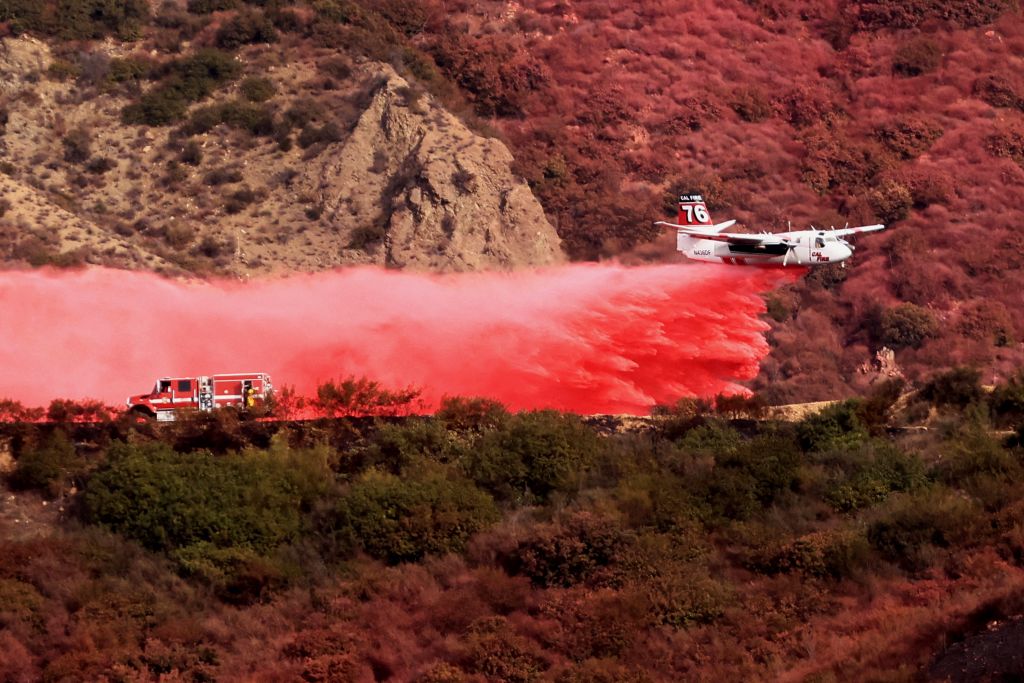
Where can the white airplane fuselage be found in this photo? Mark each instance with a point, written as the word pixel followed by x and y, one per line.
pixel 813 248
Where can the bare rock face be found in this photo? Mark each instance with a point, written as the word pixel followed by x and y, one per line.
pixel 413 187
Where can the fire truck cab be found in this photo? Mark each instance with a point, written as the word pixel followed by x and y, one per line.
pixel 171 395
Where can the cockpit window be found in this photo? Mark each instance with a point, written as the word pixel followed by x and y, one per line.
pixel 819 242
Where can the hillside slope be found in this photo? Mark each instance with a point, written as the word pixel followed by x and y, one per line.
pixel 780 111
pixel 375 172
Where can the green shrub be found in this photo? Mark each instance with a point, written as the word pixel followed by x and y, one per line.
pixel 871 473
pixel 210 6
pixel 191 153
pixel 245 28
pixel 874 411
pixel 973 454
pixel 168 500
pixel 254 119
pixel 77 19
pixel 714 437
pixel 687 596
pixel 956 388
pixel 837 426
pixel 753 477
pixel 395 447
pixel 184 81
pixel 257 89
pixel 579 549
pixel 829 554
pixel 238 575
pixel 532 455
pixel 77 146
pixel 916 525
pixel 907 326
pixel 311 135
pixel 361 396
pixel 128 69
pixel 658 500
pixel 49 466
pixel 428 510
pixel 476 414
pixel 1007 400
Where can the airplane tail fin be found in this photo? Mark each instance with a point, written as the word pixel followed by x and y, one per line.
pixel 693 212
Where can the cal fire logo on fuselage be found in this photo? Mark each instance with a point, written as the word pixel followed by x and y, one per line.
pixel 701 240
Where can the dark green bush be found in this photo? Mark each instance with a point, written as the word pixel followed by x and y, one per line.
pixel 837 426
pixel 245 28
pixel 191 153
pixel 184 81
pixel 1007 400
pixel 77 146
pixel 476 414
pixel 311 135
pixel 580 549
pixel 257 89
pixel 906 325
pixel 957 388
pixel 47 467
pixel 210 6
pixel 238 200
pixel 754 476
pixel 78 19
pixel 830 554
pixel 100 165
pixel 870 474
pixel 428 510
pixel 394 447
pixel 532 455
pixel 714 437
pixel 168 500
pixel 687 595
pixel 917 525
pixel 972 453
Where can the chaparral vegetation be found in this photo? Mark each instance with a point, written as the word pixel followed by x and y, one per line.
pixel 482 545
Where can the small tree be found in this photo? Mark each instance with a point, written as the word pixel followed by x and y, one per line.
pixel 958 387
pixel 907 325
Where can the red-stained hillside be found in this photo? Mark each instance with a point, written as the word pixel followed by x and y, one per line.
pixel 907 113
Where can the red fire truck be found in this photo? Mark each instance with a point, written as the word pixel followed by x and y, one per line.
pixel 171 395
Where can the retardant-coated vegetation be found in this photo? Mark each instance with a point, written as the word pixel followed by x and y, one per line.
pixel 908 113
pixel 481 545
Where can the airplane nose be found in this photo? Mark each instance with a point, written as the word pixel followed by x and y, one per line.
pixel 845 252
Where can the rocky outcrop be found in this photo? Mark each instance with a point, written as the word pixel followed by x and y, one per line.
pixel 398 181
pixel 413 187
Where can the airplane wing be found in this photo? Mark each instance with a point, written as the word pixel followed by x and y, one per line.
pixel 851 231
pixel 743 239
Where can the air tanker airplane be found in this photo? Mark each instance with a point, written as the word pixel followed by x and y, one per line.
pixel 701 240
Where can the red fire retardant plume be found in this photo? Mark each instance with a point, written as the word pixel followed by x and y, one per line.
pixel 585 338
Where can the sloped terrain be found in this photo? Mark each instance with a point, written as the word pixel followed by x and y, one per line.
pixel 376 172
pixel 805 112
